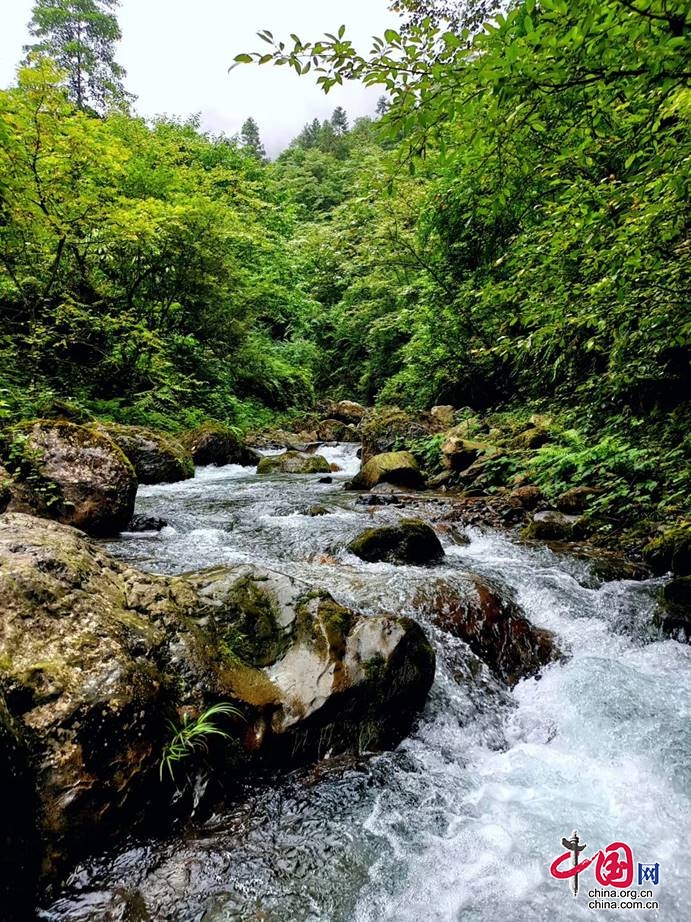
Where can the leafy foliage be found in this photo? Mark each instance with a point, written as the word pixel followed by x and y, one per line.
pixel 193 736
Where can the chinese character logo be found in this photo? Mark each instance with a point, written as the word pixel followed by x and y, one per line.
pixel 614 865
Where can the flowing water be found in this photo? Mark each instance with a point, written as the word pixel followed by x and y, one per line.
pixel 463 821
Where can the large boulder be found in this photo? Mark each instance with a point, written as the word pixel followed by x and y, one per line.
pixel 333 430
pixel 674 618
pixel 670 551
pixel 347 411
pixel 294 462
pixel 156 458
pixel 18 831
pixel 493 626
pixel 459 453
pixel 411 541
pixel 72 474
pixel 396 467
pixel 550 525
pixel 97 658
pixel 385 429
pixel 212 443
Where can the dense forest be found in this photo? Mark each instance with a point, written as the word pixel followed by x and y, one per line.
pixel 510 233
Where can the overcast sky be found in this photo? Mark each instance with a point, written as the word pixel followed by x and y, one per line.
pixel 177 54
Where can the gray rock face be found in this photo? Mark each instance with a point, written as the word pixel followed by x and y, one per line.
pixel 96 658
pixel 347 411
pixel 74 475
pixel 411 541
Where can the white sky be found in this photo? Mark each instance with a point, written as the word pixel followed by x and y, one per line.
pixel 177 54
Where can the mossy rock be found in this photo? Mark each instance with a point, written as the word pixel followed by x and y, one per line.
pixel 294 462
pixel 396 467
pixel 255 633
pixel 550 525
pixel 671 551
pixel 155 457
pixel 388 428
pixel 66 410
pixel 214 444
pixel 411 541
pixel 70 473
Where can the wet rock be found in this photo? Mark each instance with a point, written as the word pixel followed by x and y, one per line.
pixel 551 525
pixel 326 480
pixel 379 499
pixel 347 411
pixel 394 467
pixel 440 481
pixel 333 430
pixel 675 616
pixel 575 500
pixel 96 658
pixel 140 523
pixel 156 458
pixel 72 474
pixel 493 626
pixel 671 551
pixel 411 541
pixel 294 462
pixel 19 865
pixel 527 496
pixel 315 511
pixel 218 445
pixel 386 429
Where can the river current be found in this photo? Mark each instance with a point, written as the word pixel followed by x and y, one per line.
pixel 462 821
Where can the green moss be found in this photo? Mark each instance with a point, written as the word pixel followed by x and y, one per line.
pixel 671 551
pixel 251 629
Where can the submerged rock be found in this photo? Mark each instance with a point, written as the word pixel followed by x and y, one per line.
pixel 395 467
pixel 146 523
pixel 294 462
pixel 411 541
pixel 156 458
pixel 493 626
pixel 72 474
pixel 96 658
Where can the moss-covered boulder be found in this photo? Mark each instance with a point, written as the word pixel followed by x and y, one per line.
pixel 486 617
pixel 575 501
pixel 671 551
pixel 334 430
pixel 395 467
pixel 411 541
pixel 72 474
pixel 155 457
pixel 386 429
pixel 294 462
pixel 97 658
pixel 531 439
pixel 550 525
pixel 215 444
pixel 527 496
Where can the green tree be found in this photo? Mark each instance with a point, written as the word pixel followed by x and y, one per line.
pixel 250 140
pixel 81 36
pixel 339 120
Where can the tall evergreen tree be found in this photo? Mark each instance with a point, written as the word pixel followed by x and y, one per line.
pixel 339 120
pixel 80 36
pixel 250 139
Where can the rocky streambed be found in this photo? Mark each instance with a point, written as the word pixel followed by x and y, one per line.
pixel 555 704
